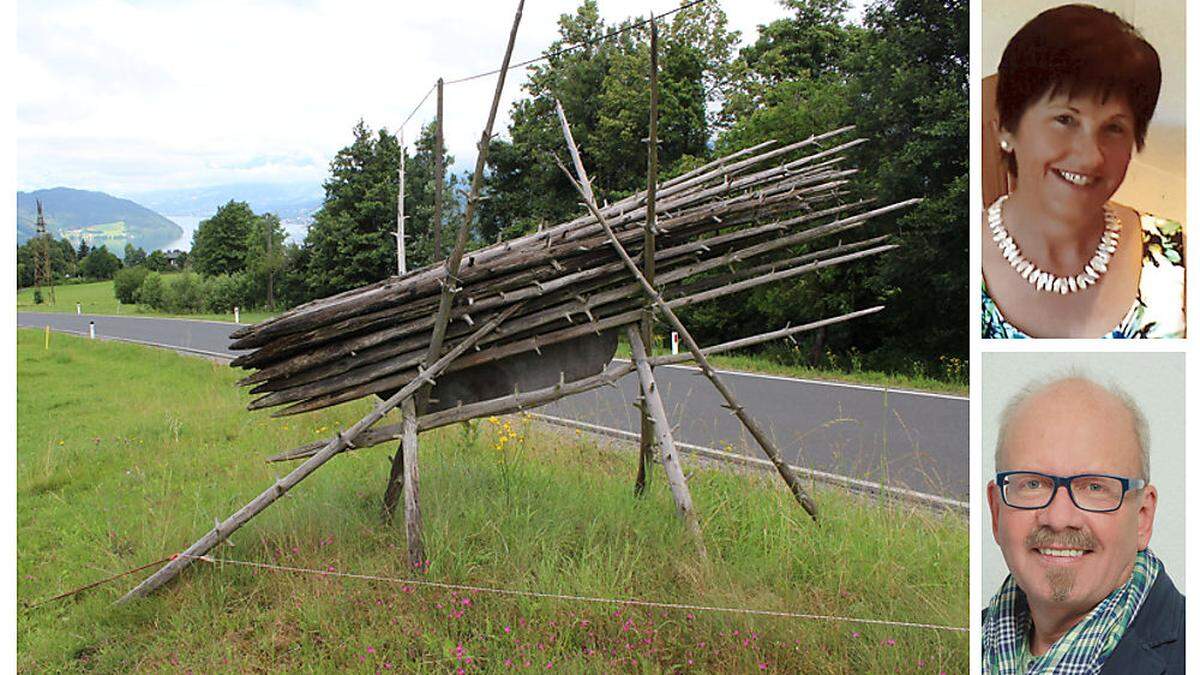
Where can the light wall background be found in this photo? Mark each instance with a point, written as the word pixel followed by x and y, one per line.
pixel 1154 380
pixel 1156 180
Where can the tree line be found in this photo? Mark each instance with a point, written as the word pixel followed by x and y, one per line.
pixel 69 264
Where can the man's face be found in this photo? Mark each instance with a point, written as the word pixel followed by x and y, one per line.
pixel 1071 428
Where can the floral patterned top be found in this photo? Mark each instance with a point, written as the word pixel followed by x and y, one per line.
pixel 1158 310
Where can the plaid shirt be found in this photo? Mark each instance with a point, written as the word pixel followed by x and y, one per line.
pixel 1083 649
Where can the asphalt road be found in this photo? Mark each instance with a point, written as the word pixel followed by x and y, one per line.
pixel 903 439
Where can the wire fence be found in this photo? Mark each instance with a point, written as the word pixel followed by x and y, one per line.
pixel 514 592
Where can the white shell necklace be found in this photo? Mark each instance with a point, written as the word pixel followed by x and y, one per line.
pixel 1045 281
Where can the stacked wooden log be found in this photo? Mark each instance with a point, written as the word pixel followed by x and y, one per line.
pixel 730 225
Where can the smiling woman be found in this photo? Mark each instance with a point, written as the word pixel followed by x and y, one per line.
pixel 1074 95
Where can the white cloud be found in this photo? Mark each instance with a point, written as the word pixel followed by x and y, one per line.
pixel 126 96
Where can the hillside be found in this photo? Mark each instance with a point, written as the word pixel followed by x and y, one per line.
pixel 98 217
pixel 289 201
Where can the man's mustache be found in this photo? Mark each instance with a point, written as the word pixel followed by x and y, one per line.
pixel 1045 537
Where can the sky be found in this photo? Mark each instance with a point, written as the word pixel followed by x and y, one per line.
pixel 127 96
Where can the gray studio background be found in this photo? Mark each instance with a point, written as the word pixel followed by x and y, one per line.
pixel 1154 380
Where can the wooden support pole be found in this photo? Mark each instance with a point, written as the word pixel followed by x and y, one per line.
pixel 401 263
pixel 450 282
pixel 652 401
pixel 396 476
pixel 583 186
pixel 514 402
pixel 412 493
pixel 531 399
pixel 339 443
pixel 670 359
pixel 439 174
pixel 648 251
pixel 395 486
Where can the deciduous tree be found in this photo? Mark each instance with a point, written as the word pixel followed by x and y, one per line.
pixel 219 243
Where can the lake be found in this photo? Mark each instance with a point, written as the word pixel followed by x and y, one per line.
pixel 296 231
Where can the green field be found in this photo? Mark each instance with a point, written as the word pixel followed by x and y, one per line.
pixel 127 454
pixel 98 298
pixel 113 235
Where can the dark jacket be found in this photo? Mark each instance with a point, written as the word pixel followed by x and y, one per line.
pixel 1153 643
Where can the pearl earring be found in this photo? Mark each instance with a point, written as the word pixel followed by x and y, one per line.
pixel 1005 146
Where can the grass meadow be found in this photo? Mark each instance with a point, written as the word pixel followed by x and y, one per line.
pixel 126 454
pixel 97 297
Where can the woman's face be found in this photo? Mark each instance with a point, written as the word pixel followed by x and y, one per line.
pixel 1072 153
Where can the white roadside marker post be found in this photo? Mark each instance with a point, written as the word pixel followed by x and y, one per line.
pixel 92 330
pixel 236 317
pixel 78 310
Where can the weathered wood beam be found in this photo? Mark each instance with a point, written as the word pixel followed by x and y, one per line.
pixel 652 401
pixel 394 290
pixel 514 402
pixel 648 248
pixel 597 324
pixel 531 399
pixel 334 446
pixel 583 186
pixel 684 357
pixel 450 288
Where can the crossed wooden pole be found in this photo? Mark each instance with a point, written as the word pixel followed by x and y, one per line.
pixel 413 396
pixel 417 389
pixel 584 187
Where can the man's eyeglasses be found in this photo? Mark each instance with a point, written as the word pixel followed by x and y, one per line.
pixel 1095 492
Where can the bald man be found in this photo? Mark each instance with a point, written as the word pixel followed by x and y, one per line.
pixel 1072 510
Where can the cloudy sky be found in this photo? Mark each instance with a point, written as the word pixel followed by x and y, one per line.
pixel 126 96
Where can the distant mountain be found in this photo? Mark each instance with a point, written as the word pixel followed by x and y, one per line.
pixel 95 216
pixel 289 201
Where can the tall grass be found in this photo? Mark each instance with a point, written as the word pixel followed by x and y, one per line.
pixel 126 454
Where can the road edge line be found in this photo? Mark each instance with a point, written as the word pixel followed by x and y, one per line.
pixel 853 484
